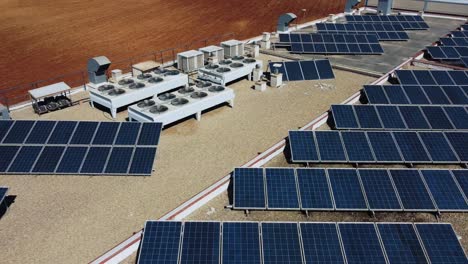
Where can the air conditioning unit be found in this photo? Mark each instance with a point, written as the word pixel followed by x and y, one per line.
pixel 233 48
pixel 213 51
pixel 190 61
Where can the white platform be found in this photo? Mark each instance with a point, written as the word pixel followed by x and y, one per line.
pixel 223 78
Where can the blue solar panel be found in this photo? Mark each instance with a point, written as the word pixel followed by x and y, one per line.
pixel 414 117
pixel 142 162
pixel 324 69
pixel 84 133
pixel 128 133
pixel 367 116
pixel 455 94
pixel 281 243
pixel 62 132
pixel 249 192
pixel 416 94
pixel 437 117
pixel 436 95
pixel 95 160
pixel 7 153
pixel 25 159
pixel 441 243
pixel 40 132
pixel 438 147
pixel 241 243
pixel 314 189
pixel 379 190
pixel 160 244
pixel 459 141
pixel 49 159
pixel 200 243
pixel 412 191
pixel 281 69
pixel 72 160
pixel 330 146
pixel 459 77
pixel 302 146
pixel 442 77
pixel 375 94
pixel 390 117
pixel 458 116
pixel 106 133
pixel 309 70
pixel 3 192
pixel 401 244
pixel 462 178
pixel 395 94
pixel 344 116
pixel 347 190
pixel 361 243
pixel 384 147
pixel 281 189
pixel 321 243
pixel 411 147
pixel 406 77
pixel 119 160
pixel 5 125
pixel 357 147
pixel 19 131
pixel 304 70
pixel 444 190
pixel 294 71
pixel 424 77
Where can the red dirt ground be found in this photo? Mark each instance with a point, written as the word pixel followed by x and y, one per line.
pixel 44 39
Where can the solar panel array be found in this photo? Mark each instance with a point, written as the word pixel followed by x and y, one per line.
pixel 407 22
pixel 69 147
pixel 454 42
pixel 459 34
pixel 447 53
pixel 405 147
pixel 3 193
pixel 283 242
pixel 313 189
pixel 332 43
pixel 304 70
pixel 399 117
pixel 383 31
pixel 416 94
pixel 429 77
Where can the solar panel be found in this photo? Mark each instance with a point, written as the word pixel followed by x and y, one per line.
pixel 461 34
pixel 446 52
pixel 344 116
pixel 379 190
pixel 391 117
pixel 40 132
pixel 411 147
pixel 62 132
pixel 375 94
pixel 321 243
pixel 303 147
pixel 294 71
pixel 425 77
pixel 458 116
pixel 438 147
pixel 357 147
pixel 281 243
pixel 18 132
pixel 119 160
pixel 49 159
pixel 413 194
pixel 416 94
pixel 200 243
pixel 459 77
pixel 5 125
pixel 304 70
pixel 442 77
pixel 324 69
pixel 436 117
pixel 330 146
pixel 456 94
pixel 249 190
pixel 459 141
pixel 441 243
pixel 3 193
pixel 361 243
pixel 84 133
pixel 407 22
pixel 347 190
pixel 7 154
pixel 384 31
pixel 309 70
pixel 142 161
pixel 314 189
pixel 106 132
pixel 281 189
pixel 128 133
pixel 401 243
pixel 241 243
pixel 444 190
pixel 462 178
pixel 367 116
pixel 464 61
pixel 160 243
pixel 395 94
pixel 436 95
pixel 72 160
pixel 414 117
pixel 95 160
pixel 25 159
pixel 384 147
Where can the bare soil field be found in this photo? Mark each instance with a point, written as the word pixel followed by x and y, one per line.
pixel 43 39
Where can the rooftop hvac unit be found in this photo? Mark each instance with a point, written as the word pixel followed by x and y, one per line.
pixel 233 48
pixel 213 51
pixel 190 61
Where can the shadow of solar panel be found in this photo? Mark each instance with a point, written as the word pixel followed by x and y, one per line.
pixel 25 159
pixel 413 193
pixel 48 159
pixel 347 190
pixel 95 160
pixel 414 117
pixel 401 243
pixel 241 243
pixel 441 243
pixel 160 243
pixel 390 117
pixel 330 146
pixel 367 116
pixel 72 160
pixel 415 94
pixel 361 243
pixel 357 147
pixel 444 190
pixel 395 94
pixel 150 133
pixel 5 125
pixel 128 133
pixel 375 94
pixel 143 160
pixel 436 117
pixel 119 160
pixel 438 147
pixel 384 147
pixel 40 132
pixel 281 189
pixel 321 243
pixel 7 154
pixel 314 189
pixel 458 116
pixel 459 141
pixel 344 116
pixel 249 188
pixel 411 147
pixel 18 132
pixel 281 243
pixel 62 132
pixel 200 243
pixel 303 148
pixel 84 133
pixel 106 133
pixel 455 94
pixel 462 178
pixel 379 190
